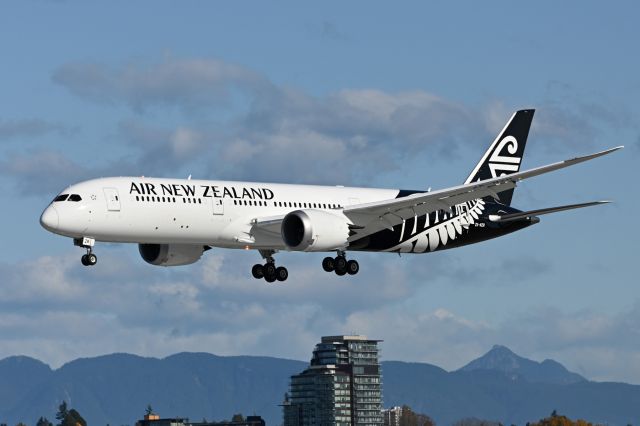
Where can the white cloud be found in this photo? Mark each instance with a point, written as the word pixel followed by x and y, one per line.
pixel 31 128
pixel 590 342
pixel 41 171
pixel 184 83
pixel 271 133
pixel 184 142
pixel 266 131
pixel 211 270
pixel 439 337
pixel 567 118
pixel 57 310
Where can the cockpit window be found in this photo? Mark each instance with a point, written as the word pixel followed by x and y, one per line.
pixel 60 197
pixel 75 197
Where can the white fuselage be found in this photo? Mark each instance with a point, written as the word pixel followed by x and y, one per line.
pixel 180 211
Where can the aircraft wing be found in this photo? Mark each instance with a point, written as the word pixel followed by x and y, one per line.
pixel 539 212
pixel 267 225
pixel 369 218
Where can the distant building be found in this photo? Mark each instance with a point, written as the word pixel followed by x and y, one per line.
pixel 248 421
pixel 155 420
pixel 391 416
pixel 341 387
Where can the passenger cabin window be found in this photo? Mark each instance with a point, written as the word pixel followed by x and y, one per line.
pixel 60 197
pixel 75 197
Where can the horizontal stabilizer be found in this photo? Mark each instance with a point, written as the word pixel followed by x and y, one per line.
pixel 531 213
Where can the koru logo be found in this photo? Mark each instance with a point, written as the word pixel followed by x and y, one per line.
pixel 504 162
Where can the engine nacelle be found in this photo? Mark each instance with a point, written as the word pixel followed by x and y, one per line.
pixel 171 254
pixel 314 230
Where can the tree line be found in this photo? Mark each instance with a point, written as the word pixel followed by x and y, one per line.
pixel 410 418
pixel 64 416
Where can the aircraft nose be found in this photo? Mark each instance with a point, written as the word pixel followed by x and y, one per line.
pixel 49 219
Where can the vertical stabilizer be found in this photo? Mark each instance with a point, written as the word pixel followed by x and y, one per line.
pixel 504 156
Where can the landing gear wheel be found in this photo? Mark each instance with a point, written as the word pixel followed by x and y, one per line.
pixel 281 273
pixel 89 259
pixel 340 265
pixel 328 264
pixel 269 271
pixel 257 271
pixel 352 267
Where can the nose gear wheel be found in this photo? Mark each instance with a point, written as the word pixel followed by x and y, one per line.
pixel 89 259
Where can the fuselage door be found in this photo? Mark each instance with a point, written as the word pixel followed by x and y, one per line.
pixel 113 199
pixel 218 206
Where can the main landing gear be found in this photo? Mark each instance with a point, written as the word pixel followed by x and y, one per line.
pixel 269 271
pixel 340 265
pixel 90 258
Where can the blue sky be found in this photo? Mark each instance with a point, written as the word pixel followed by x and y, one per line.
pixel 366 93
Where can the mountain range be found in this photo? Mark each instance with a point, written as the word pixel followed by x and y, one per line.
pixel 115 389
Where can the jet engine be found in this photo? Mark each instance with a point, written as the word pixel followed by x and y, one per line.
pixel 171 254
pixel 314 230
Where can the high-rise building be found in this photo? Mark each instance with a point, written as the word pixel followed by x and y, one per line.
pixel 342 385
pixel 392 416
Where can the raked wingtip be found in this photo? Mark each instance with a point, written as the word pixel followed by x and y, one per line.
pixel 616 148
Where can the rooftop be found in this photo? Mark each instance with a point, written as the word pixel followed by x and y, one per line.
pixel 344 338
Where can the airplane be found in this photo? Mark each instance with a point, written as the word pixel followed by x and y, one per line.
pixel 174 221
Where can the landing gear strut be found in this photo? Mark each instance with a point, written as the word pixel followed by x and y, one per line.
pixel 269 271
pixel 90 258
pixel 340 265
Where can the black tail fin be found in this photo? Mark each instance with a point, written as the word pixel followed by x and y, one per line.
pixel 505 153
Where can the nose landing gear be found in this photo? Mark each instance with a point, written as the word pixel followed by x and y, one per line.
pixel 90 258
pixel 269 271
pixel 340 265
